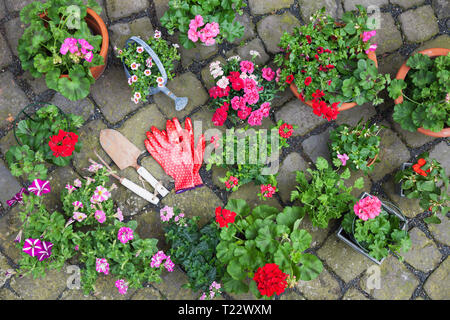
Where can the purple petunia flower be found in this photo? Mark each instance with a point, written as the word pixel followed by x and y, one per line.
pixel 39 187
pixel 46 250
pixel 18 197
pixel 32 246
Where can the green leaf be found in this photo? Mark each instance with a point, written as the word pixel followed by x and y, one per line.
pixel 359 183
pixel 235 270
pixel 311 267
pixel 52 78
pixel 290 215
pixel 235 286
pixel 395 88
pixel 264 211
pixel 239 206
pixel 265 240
pixel 434 219
pixel 419 61
pixel 301 240
pixel 321 163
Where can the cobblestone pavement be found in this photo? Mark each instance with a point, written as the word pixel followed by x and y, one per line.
pixel 406 27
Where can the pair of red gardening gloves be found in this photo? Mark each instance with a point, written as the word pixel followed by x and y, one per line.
pixel 174 150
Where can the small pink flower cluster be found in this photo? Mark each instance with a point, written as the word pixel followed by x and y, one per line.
pixel 158 259
pixel 122 286
pixel 267 191
pixel 125 234
pixel 207 34
pixel 366 36
pixel 167 213
pixel 71 44
pixel 214 289
pixel 367 208
pixel 102 265
pixel 231 182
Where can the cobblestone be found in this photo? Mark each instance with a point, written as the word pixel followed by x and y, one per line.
pixel 419 24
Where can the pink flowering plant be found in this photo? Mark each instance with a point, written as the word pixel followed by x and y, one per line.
pixel 199 21
pixel 356 146
pixel 375 228
pixel 192 247
pixel 243 91
pixel 328 63
pixel 144 73
pixel 53 46
pixel 246 144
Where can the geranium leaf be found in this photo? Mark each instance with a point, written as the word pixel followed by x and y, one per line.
pixel 290 215
pixel 310 267
pixel 239 206
pixel 301 240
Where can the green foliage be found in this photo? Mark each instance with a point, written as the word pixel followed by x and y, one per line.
pixel 181 12
pixel 325 197
pixel 378 235
pixel 166 53
pixel 260 236
pixel 354 77
pixel 426 102
pixel 194 249
pixel 361 143
pixel 431 189
pixel 29 158
pixel 241 153
pixel 39 46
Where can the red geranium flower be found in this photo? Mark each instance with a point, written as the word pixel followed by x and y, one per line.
pixel 224 217
pixel 270 279
pixel 63 144
pixel 289 78
pixel 308 38
pixel 286 130
pixel 318 94
pixel 421 162
pixel 308 81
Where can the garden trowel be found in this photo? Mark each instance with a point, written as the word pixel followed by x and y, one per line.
pixel 125 154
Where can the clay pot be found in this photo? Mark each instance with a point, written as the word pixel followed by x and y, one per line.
pixel 401 74
pixel 98 27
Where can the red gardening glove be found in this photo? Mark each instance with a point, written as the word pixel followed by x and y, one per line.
pixel 172 150
pixel 197 152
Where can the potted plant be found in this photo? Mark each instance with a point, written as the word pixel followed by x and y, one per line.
pixel 142 64
pixel 325 196
pixel 262 249
pixel 68 43
pixel 242 155
pixel 48 136
pixel 243 91
pixel 357 146
pixel 374 227
pixel 427 181
pixel 422 99
pixel 193 249
pixel 199 21
pixel 331 66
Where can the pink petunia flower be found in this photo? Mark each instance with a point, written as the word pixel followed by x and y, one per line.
pixel 79 216
pixel 343 157
pixel 102 194
pixel 100 216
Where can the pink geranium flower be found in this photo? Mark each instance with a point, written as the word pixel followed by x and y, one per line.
pixel 166 213
pixel 102 265
pixel 122 286
pixel 367 208
pixel 372 47
pixel 157 259
pixel 125 234
pixel 343 157
pixel 368 34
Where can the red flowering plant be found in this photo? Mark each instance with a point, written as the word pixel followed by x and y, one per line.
pixel 47 136
pixel 328 62
pixel 243 91
pixel 262 249
pixel 427 181
pixel 241 153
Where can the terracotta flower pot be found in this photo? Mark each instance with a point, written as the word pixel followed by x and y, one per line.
pixel 98 27
pixel 344 106
pixel 401 74
pixel 372 161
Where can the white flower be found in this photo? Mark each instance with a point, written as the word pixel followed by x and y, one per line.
pixel 176 46
pixel 243 75
pixel 234 57
pixel 134 78
pixel 160 84
pixel 136 100
pixel 157 34
pixel 214 65
pixel 254 53
pixel 252 76
pixel 223 82
pixel 147 72
pixel 130 81
pixel 140 49
pixel 160 80
pixel 217 72
pixel 134 66
pixel 137 95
